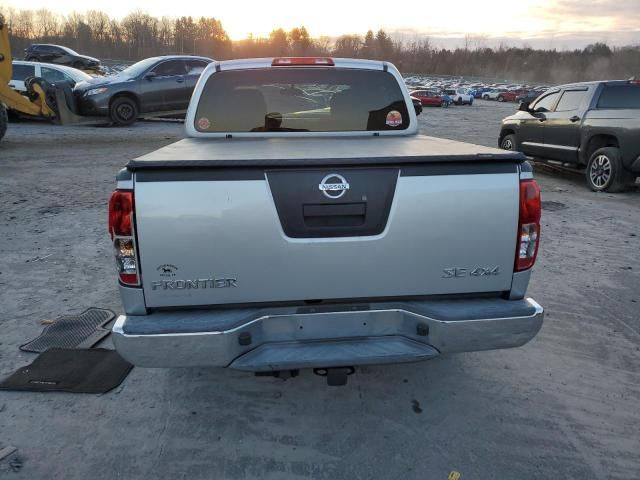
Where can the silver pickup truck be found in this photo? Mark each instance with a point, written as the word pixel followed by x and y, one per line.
pixel 305 224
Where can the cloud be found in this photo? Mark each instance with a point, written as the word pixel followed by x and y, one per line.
pixel 610 14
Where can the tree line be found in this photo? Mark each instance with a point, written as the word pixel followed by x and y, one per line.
pixel 140 35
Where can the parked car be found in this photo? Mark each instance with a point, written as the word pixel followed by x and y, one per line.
pixel 431 98
pixel 44 52
pixel 593 125
pixel 508 96
pixel 255 243
pixel 530 96
pixel 51 73
pixel 447 99
pixel 417 105
pixel 154 85
pixel 478 91
pixel 460 96
pixel 493 93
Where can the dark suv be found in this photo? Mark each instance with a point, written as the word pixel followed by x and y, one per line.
pixel 157 85
pixel 592 125
pixel 43 52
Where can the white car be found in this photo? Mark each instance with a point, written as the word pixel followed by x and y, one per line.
pixel 493 94
pixel 51 73
pixel 460 96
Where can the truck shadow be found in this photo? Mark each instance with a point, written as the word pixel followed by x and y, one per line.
pixel 302 425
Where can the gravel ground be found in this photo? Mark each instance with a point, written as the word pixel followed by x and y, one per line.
pixel 563 406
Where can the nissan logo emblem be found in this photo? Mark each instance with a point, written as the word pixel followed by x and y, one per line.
pixel 333 186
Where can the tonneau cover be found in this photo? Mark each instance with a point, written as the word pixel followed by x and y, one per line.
pixel 318 151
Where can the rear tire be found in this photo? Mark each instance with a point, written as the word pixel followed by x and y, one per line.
pixel 4 120
pixel 605 171
pixel 459 102
pixel 444 104
pixel 500 98
pixel 123 111
pixel 509 143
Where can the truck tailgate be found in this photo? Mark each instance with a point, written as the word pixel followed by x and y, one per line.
pixel 395 222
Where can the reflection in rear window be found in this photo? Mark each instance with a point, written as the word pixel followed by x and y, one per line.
pixel 620 96
pixel 298 99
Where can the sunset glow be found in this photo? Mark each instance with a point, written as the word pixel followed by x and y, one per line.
pixel 525 19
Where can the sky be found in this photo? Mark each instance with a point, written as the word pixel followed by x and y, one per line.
pixel 539 23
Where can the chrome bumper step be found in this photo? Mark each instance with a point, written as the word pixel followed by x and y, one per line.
pixel 333 353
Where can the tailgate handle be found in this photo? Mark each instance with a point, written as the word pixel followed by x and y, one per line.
pixel 334 214
pixel 334 209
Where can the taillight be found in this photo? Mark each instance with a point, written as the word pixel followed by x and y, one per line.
pixel 295 61
pixel 528 225
pixel 121 210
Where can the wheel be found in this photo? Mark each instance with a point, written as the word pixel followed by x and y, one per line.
pixel 444 104
pixel 78 64
pixel 509 142
pixel 459 102
pixel 605 171
pixel 123 111
pixel 4 120
pixel 500 98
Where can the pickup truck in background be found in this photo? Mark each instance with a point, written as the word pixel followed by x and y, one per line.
pixel 591 125
pixel 304 223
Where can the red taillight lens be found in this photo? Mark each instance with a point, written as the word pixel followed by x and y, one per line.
pixel 121 231
pixel 120 213
pixel 295 61
pixel 528 225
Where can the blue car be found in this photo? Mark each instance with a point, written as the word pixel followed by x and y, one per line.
pixel 477 92
pixel 446 98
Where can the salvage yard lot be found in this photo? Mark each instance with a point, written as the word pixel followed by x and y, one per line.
pixel 563 406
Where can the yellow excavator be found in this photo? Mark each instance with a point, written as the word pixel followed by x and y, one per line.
pixel 34 105
pixel 42 99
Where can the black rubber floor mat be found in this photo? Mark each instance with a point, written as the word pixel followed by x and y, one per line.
pixel 95 370
pixel 73 331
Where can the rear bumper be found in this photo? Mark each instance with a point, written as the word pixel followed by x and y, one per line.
pixel 339 335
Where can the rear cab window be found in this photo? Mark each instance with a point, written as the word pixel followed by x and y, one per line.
pixel 620 96
pixel 301 99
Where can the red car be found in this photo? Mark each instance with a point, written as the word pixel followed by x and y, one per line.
pixel 430 98
pixel 510 95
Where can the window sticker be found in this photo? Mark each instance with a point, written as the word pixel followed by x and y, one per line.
pixel 203 123
pixel 394 118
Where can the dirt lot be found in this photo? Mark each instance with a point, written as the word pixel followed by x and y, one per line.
pixel 564 406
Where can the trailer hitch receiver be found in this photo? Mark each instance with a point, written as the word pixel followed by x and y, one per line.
pixel 336 376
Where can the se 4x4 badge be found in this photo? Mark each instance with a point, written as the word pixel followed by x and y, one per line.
pixel 457 272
